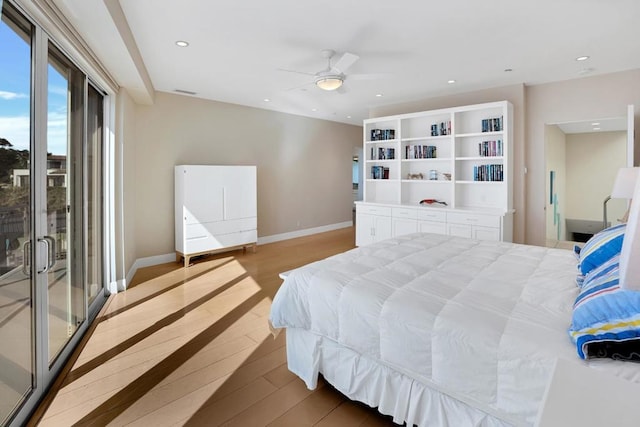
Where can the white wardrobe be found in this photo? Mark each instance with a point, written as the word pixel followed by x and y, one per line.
pixel 215 209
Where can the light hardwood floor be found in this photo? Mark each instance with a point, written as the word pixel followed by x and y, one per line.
pixel 192 347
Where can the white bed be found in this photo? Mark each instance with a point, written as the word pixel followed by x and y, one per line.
pixel 435 330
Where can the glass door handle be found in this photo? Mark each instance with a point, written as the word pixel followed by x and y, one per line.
pixel 26 255
pixel 52 250
pixel 48 246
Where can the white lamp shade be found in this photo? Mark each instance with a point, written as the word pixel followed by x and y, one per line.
pixel 625 183
pixel 630 254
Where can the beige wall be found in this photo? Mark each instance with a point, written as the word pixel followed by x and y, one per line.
pixel 569 101
pixel 556 147
pixel 514 94
pixel 593 161
pixel 304 165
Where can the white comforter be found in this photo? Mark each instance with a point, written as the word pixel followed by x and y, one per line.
pixel 482 322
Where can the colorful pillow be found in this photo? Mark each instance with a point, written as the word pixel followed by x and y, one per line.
pixel 606 318
pixel 601 247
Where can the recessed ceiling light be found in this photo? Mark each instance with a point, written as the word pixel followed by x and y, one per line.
pixel 182 43
pixel 595 124
pixel 348 117
pixel 314 109
pixel 379 95
pixel 451 81
pixel 266 100
pixel 582 58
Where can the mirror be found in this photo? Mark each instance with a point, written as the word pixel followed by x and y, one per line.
pixel 582 161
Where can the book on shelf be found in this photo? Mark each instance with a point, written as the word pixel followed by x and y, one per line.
pixel 492 125
pixel 420 152
pixel 386 153
pixel 493 172
pixel 382 134
pixel 490 148
pixel 379 172
pixel 441 129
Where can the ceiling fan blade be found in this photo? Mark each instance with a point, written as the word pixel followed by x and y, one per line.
pixel 299 87
pixel 294 71
pixel 369 76
pixel 346 61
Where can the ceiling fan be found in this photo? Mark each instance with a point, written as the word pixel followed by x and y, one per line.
pixel 332 77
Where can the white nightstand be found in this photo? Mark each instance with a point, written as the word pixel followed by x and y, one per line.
pixel 581 396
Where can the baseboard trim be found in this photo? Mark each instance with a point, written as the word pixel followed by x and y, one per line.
pixel 163 259
pixel 148 262
pixel 301 233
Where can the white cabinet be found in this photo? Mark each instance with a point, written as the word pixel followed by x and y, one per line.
pixel 403 221
pixel 373 223
pixel 215 209
pixel 377 221
pixel 460 156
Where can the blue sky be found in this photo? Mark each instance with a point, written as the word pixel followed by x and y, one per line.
pixel 15 78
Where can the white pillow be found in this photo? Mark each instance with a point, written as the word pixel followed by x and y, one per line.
pixel 630 254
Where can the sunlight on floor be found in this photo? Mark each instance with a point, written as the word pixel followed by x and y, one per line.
pixel 165 347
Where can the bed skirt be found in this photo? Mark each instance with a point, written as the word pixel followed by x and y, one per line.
pixel 379 386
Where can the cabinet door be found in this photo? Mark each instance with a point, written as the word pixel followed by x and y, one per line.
pixel 432 227
pixel 239 194
pixel 382 228
pixel 403 226
pixel 365 225
pixel 203 195
pixel 486 233
pixel 460 230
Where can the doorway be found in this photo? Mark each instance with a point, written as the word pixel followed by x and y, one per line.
pixel 582 160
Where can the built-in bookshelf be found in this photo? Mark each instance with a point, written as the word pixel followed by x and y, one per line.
pixel 458 156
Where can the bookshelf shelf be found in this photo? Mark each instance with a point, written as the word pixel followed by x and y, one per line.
pixel 444 143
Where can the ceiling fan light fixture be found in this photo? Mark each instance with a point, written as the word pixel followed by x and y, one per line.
pixel 329 82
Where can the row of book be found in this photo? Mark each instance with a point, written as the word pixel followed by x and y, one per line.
pixel 492 125
pixel 488 173
pixel 490 148
pixel 442 128
pixel 383 153
pixel 379 172
pixel 382 134
pixel 420 152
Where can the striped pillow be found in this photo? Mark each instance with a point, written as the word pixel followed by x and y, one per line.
pixel 602 246
pixel 606 318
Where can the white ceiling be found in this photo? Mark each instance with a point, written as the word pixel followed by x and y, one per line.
pixel 238 46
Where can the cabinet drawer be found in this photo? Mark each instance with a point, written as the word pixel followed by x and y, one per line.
pixel 196 231
pixel 431 215
pixel 432 227
pixel 404 213
pixel 473 219
pixel 460 230
pixel 486 233
pixel 209 243
pixel 374 210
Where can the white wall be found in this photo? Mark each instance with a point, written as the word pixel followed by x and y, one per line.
pixel 555 147
pixel 304 165
pixel 593 161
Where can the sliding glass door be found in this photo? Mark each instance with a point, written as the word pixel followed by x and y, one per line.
pixel 17 333
pixel 51 211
